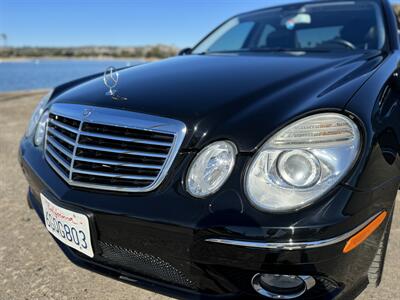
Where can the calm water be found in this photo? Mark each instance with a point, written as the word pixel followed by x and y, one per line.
pixel 40 74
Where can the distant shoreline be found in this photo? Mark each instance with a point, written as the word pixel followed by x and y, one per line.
pixel 14 95
pixel 27 73
pixel 94 58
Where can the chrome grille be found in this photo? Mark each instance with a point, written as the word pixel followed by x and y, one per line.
pixel 111 149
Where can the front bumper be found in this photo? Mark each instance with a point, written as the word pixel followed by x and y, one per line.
pixel 159 241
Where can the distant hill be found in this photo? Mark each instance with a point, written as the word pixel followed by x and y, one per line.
pixel 149 52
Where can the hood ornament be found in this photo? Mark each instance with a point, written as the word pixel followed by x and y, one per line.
pixel 110 79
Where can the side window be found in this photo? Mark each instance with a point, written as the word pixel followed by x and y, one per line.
pixel 233 39
pixel 310 38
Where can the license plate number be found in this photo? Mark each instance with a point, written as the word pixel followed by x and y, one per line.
pixel 69 227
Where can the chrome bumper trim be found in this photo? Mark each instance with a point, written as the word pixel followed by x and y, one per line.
pixel 293 245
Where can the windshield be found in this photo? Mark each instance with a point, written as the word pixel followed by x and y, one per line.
pixel 323 26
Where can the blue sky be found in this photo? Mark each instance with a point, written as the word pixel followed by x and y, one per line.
pixel 116 22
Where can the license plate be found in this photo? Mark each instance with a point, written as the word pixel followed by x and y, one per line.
pixel 69 227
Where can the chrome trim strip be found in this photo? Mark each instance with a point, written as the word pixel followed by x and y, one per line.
pixel 294 245
pixel 59 159
pixel 55 168
pixel 64 126
pixel 116 163
pixel 117 118
pixel 124 139
pixel 113 175
pixel 56 145
pixel 113 150
pixel 61 136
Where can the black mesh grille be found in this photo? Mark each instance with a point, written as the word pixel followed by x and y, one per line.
pixel 144 264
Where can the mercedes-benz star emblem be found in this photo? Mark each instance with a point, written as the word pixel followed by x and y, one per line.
pixel 87 113
pixel 110 79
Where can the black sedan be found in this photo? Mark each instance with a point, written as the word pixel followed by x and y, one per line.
pixel 263 162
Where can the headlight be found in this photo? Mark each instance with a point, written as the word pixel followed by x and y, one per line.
pixel 211 168
pixel 302 162
pixel 41 129
pixel 37 113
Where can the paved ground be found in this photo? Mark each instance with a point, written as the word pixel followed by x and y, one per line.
pixel 32 266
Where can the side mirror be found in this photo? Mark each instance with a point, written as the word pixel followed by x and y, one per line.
pixel 185 51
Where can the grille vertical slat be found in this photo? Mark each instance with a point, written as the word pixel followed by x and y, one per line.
pixel 92 153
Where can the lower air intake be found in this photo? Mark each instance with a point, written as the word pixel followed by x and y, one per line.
pixel 144 264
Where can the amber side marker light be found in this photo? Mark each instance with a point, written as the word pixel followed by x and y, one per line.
pixel 360 237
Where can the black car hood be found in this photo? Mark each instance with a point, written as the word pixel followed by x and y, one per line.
pixel 239 97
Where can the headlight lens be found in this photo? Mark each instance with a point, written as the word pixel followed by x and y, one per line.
pixel 211 168
pixel 37 113
pixel 41 129
pixel 299 168
pixel 302 162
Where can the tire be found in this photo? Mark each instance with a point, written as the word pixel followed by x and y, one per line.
pixel 376 269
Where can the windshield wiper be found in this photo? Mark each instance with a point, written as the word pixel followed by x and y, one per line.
pixel 289 50
pixel 269 50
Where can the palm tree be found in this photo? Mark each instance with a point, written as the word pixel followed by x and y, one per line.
pixel 3 36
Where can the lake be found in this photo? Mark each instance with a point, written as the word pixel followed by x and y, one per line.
pixel 39 74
